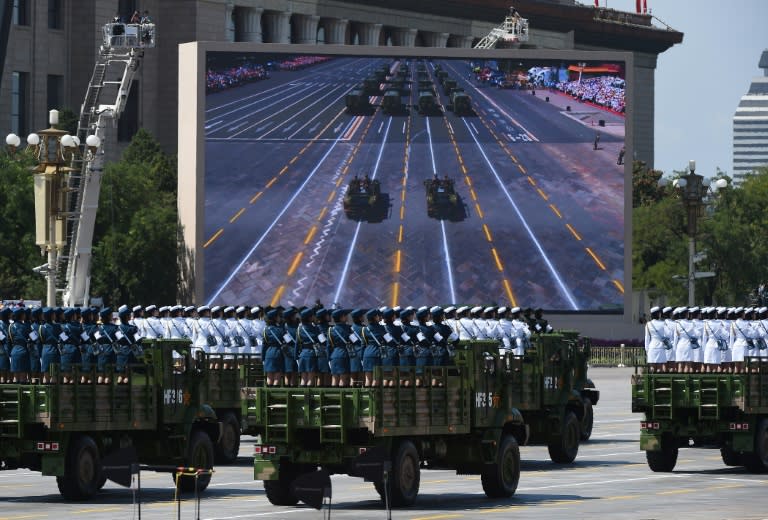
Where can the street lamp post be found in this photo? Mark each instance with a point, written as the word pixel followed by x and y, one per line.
pixel 693 189
pixel 53 149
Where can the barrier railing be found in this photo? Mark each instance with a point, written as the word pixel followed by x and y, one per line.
pixel 616 356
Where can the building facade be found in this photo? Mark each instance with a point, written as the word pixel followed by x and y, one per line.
pixel 750 126
pixel 53 46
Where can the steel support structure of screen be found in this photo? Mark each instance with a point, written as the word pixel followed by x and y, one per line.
pixel 368 176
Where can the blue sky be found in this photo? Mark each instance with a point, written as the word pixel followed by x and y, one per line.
pixel 699 82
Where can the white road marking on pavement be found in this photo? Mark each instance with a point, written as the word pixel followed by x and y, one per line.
pixel 274 222
pixel 598 483
pixel 559 281
pixel 343 276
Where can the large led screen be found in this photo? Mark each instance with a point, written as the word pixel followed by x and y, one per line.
pixel 392 180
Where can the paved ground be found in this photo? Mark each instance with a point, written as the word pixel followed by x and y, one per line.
pixel 538 221
pixel 609 479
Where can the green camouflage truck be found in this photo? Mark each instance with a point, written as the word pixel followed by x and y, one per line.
pixel 459 102
pixel 66 430
pixel 719 410
pixel 485 405
pixel 222 390
pixel 357 102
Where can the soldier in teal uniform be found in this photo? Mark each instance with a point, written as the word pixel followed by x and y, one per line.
pixel 89 348
pixel 273 351
pixel 49 338
pixel 323 361
pixel 5 344
pixel 358 344
pixel 35 350
pixel 407 352
pixel 423 347
pixel 71 340
pixel 341 348
pixel 128 350
pixel 306 345
pixel 373 337
pixel 20 339
pixel 390 352
pixel 291 317
pixel 105 336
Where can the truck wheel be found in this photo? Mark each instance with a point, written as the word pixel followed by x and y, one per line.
pixel 757 461
pixel 405 475
pixel 730 457
pixel 279 491
pixel 588 420
pixel 200 455
pixel 564 448
pixel 229 445
pixel 664 460
pixel 500 478
pixel 82 470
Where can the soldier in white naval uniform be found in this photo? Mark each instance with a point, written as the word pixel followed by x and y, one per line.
pixel 657 342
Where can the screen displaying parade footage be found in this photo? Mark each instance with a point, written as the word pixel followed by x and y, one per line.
pixel 391 180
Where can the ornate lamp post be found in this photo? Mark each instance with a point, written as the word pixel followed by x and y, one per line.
pixel 53 149
pixel 693 189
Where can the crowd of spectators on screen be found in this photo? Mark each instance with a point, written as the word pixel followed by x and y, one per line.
pixel 606 91
pixel 216 80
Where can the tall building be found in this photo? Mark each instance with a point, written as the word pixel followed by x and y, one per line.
pixel 750 126
pixel 53 45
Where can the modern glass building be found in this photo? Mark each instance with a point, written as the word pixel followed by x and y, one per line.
pixel 750 126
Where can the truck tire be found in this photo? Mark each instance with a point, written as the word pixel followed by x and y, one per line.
pixel 664 460
pixel 588 420
pixel 406 476
pixel 279 491
pixel 757 461
pixel 500 478
pixel 564 448
pixel 82 470
pixel 730 457
pixel 200 455
pixel 228 446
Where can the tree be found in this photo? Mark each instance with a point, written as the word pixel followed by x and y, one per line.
pixel 134 256
pixel 645 185
pixel 17 233
pixel 735 238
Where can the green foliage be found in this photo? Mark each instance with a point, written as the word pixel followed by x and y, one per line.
pixel 68 120
pixel 134 258
pixel 659 249
pixel 731 234
pixel 17 233
pixel 645 185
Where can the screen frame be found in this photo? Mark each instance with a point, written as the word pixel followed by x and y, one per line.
pixel 191 139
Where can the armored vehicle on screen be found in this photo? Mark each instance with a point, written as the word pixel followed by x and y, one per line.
pixel 724 411
pixel 442 200
pixel 363 200
pixel 482 408
pixel 460 103
pixel 357 102
pixel 448 86
pixel 427 104
pixel 392 103
pixel 67 430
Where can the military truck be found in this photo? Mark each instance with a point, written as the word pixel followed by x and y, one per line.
pixel 222 390
pixel 427 103
pixel 724 411
pixel 363 200
pixel 448 86
pixel 392 102
pixel 442 200
pixel 473 420
pixel 357 102
pixel 459 102
pixel 66 430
